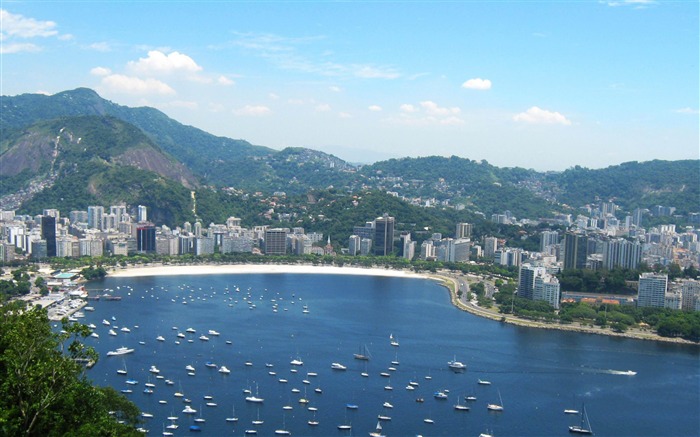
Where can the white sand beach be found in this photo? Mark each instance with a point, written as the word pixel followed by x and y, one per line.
pixel 133 271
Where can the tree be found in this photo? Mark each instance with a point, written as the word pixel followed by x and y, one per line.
pixel 43 390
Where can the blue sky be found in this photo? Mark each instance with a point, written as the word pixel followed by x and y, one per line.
pixel 538 84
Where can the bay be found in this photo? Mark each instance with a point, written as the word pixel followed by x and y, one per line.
pixel 537 373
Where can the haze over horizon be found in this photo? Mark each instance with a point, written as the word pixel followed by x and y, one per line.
pixel 544 85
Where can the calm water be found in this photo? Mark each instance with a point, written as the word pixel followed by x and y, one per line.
pixel 538 373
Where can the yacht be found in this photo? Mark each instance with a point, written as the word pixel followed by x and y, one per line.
pixel 160 338
pixel 213 332
pixel 296 362
pixel 224 369
pixel 203 337
pixel 120 351
pixel 338 366
pixel 457 366
pixel 189 410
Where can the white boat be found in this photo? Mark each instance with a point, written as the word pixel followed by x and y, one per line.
pixel 377 430
pixel 296 362
pixel 160 338
pixel 387 405
pixel 255 399
pixel 224 369
pixel 213 332
pixel 189 410
pixel 154 369
pixel 484 382
pixel 440 395
pixel 125 329
pixel 393 341
pixel 95 335
pixel 180 335
pixel 455 365
pixel 106 322
pixel 571 411
pixel 112 332
pixel 623 372
pixel 203 337
pixel 189 368
pixel 585 426
pixel 120 351
pixel 190 330
pixel 338 366
pixel 496 407
pixel 362 354
pixel 233 417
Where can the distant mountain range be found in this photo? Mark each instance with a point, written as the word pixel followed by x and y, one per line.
pixel 83 149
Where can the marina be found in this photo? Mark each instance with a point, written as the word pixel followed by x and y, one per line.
pixel 538 373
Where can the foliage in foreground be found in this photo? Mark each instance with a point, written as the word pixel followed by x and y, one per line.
pixel 43 390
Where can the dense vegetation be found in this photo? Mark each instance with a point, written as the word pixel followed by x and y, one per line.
pixel 218 162
pixel 619 318
pixel 43 390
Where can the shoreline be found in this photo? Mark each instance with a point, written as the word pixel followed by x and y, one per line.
pixel 488 313
pixel 447 280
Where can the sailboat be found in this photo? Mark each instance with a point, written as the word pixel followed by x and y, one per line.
pixel 585 426
pixel 362 354
pixel 496 407
pixel 283 430
pixel 255 399
pixel 393 341
pixel 571 410
pixel 233 417
pixel 122 371
pixel 377 431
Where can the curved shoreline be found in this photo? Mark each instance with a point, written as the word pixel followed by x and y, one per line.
pixel 447 280
pixel 518 321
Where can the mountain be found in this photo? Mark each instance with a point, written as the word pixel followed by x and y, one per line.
pixel 124 141
pixel 198 150
pixel 79 161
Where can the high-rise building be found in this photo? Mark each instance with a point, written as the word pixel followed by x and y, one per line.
pixel 48 233
pixel 95 214
pixel 142 214
pixel 575 251
pixel 690 290
pixel 652 290
pixel 621 253
pixel 526 280
pixel 276 241
pixel 547 289
pixel 490 247
pixel 464 230
pixel 408 246
pixel 548 238
pixel 146 238
pixel 354 245
pixel 384 235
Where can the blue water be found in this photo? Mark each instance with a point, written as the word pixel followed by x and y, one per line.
pixel 538 373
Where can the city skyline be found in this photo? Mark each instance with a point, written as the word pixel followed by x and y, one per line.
pixel 538 85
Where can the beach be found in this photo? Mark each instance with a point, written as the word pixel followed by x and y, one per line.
pixel 232 269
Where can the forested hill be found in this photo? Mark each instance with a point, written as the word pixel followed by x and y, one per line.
pixel 193 147
pixel 632 184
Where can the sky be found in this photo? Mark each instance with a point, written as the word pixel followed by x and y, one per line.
pixel 545 85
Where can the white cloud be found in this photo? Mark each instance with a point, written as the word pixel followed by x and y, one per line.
pixel 16 28
pixel 100 47
pixel 687 110
pixel 370 72
pixel 223 80
pixel 100 71
pixel 335 89
pixel 637 4
pixel 18 47
pixel 536 115
pixel 374 108
pixel 253 110
pixel 134 85
pixel 477 84
pixel 322 107
pixel 408 108
pixel 158 62
pixel 432 108
pixel 15 25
